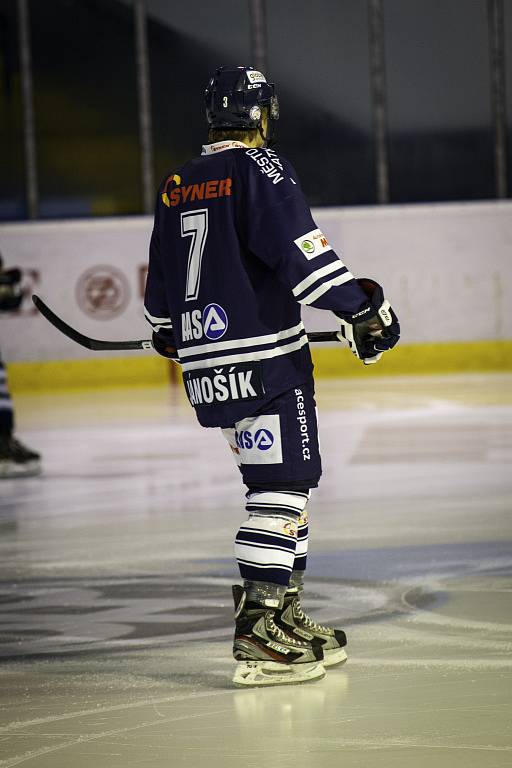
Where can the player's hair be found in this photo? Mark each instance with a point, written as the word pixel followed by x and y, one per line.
pixel 219 134
pixel 232 134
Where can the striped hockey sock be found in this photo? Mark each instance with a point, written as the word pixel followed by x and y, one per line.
pixel 265 545
pixel 301 551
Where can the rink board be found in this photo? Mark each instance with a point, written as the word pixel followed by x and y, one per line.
pixel 446 268
pixel 330 362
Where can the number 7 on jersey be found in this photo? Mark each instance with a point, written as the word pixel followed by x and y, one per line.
pixel 194 224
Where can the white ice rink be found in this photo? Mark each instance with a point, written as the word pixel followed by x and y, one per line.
pixel 116 566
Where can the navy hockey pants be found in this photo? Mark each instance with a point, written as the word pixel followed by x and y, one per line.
pixel 277 448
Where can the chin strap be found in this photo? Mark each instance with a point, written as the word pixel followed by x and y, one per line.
pixel 268 141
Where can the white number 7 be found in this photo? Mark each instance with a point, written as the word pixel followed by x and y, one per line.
pixel 194 224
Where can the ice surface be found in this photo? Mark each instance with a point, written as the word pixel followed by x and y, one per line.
pixel 116 565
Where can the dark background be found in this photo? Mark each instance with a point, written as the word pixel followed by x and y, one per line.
pixel 440 134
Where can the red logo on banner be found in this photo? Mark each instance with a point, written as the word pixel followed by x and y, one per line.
pixel 103 292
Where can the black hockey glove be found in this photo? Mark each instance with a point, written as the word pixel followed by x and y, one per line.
pixel 374 328
pixel 11 294
pixel 165 344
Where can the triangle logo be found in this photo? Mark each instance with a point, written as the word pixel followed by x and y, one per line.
pixel 264 439
pixel 213 321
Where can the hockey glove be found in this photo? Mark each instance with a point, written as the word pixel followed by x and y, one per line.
pixel 374 328
pixel 165 344
pixel 11 294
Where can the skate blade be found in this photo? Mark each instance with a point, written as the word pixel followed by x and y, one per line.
pixel 252 673
pixel 334 656
pixel 10 469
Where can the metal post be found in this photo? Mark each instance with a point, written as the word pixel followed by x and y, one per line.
pixel 258 34
pixel 29 134
pixel 144 94
pixel 498 105
pixel 379 96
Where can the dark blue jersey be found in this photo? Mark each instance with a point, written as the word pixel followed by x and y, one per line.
pixel 234 253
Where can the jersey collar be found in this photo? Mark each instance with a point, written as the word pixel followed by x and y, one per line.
pixel 221 146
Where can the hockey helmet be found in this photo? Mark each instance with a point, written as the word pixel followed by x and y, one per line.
pixel 235 97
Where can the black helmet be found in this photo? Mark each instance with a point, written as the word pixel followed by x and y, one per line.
pixel 235 97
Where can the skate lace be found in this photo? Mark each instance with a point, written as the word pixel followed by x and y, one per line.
pixel 278 633
pixel 307 620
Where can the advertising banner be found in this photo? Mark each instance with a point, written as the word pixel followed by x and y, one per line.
pixel 447 270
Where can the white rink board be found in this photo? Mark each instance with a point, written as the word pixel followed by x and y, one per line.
pixel 60 253
pixel 447 269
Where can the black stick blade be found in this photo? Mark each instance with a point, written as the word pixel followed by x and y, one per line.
pixel 80 338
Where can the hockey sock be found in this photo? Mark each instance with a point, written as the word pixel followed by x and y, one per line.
pixel 6 409
pixel 301 551
pixel 265 544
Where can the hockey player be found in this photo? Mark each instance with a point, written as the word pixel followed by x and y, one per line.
pixel 234 253
pixel 16 460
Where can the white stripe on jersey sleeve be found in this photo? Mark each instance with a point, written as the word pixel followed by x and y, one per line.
pixel 314 295
pixel 316 275
pixel 158 322
pixel 154 319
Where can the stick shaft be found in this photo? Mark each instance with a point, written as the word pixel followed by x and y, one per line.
pixel 99 345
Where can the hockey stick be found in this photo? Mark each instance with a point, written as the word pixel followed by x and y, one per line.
pixel 85 341
pixel 98 345
pixel 323 336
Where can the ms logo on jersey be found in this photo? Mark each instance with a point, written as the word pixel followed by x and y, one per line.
pixel 212 322
pixel 258 440
pixel 263 439
pixel 215 321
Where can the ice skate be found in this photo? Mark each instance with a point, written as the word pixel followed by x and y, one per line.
pixel 16 460
pixel 266 654
pixel 292 619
